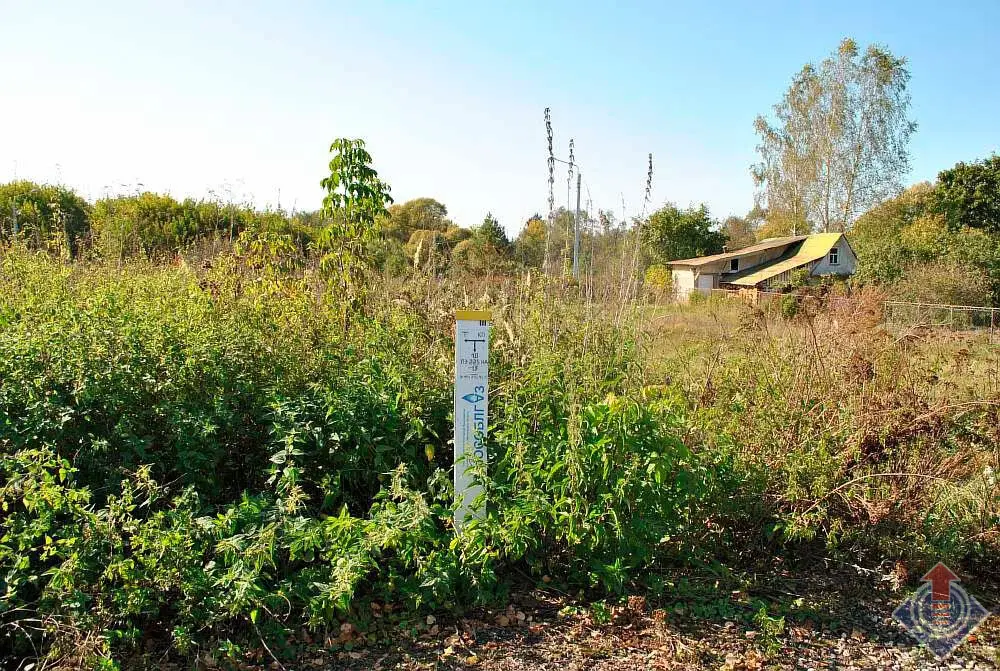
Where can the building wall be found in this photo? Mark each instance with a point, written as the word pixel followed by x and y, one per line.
pixel 683 282
pixel 746 262
pixel 687 280
pixel 707 282
pixel 847 261
pixel 776 282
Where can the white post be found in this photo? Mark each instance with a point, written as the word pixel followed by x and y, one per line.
pixel 472 346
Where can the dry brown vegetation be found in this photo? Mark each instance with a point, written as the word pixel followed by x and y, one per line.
pixel 858 426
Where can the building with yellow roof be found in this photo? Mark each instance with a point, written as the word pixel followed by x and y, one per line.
pixel 767 265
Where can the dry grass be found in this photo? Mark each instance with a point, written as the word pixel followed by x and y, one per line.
pixel 851 426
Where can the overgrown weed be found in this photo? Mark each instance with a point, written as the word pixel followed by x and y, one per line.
pixel 196 454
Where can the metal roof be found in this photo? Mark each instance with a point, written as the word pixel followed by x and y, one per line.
pixel 761 246
pixel 813 248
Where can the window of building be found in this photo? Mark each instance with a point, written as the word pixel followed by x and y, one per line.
pixel 734 265
pixel 834 256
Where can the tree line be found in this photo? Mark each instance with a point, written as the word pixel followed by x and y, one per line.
pixel 934 242
pixel 832 157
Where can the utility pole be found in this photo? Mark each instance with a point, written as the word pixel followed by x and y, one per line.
pixel 576 231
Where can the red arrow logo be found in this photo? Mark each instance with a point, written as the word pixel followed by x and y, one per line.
pixel 940 578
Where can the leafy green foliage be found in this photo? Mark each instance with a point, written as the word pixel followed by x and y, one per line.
pixel 355 202
pixel 739 231
pixel 908 243
pixel 969 195
pixel 492 234
pixel 658 281
pixel 37 212
pixel 671 233
pixel 945 282
pixel 608 486
pixel 415 236
pixel 431 236
pixel 163 461
pixel 214 456
pixel 529 246
pixel 771 629
pixel 156 225
pixel 419 214
pixel 487 251
pixel 789 306
pixel 876 236
pixel 838 142
pixel 245 448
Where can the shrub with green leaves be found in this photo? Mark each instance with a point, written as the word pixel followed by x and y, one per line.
pixel 39 213
pixel 156 225
pixel 202 454
pixel 789 306
pixel 202 457
pixel 233 396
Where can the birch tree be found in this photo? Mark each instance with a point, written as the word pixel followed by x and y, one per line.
pixel 837 142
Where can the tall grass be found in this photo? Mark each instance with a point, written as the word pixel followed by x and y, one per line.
pixel 878 441
pixel 196 456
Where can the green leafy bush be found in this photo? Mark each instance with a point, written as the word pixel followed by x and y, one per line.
pixel 215 452
pixel 156 225
pixel 935 226
pixel 658 282
pixel 38 212
pixel 211 456
pixel 789 306
pixel 155 377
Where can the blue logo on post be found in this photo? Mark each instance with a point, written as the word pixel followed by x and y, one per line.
pixel 472 398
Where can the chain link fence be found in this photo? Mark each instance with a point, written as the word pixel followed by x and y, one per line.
pixel 940 315
pixel 896 313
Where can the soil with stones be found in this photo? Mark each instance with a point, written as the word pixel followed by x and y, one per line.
pixel 837 617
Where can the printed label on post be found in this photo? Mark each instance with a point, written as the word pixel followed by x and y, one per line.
pixel 472 366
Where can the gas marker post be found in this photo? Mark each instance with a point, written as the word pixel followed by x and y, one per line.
pixel 472 384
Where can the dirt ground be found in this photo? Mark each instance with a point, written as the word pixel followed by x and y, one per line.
pixel 833 619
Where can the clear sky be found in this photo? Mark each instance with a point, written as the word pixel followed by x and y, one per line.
pixel 243 98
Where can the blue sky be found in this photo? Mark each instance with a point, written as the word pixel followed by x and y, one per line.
pixel 241 99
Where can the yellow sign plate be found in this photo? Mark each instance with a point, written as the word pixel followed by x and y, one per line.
pixel 473 315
